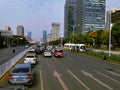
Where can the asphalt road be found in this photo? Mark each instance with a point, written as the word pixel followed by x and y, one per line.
pixel 7 54
pixel 74 72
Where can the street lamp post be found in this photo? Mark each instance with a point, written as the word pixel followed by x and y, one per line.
pixel 73 26
pixel 109 29
pixel 109 32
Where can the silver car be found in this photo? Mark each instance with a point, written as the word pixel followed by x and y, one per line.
pixel 21 74
pixel 47 53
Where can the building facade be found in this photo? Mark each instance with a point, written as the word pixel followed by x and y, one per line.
pixel 6 38
pixel 90 15
pixel 7 28
pixel 112 16
pixel 115 16
pixel 20 30
pixel 55 31
pixel 29 36
pixel 44 36
pixel 87 15
pixel 49 37
pixel 69 16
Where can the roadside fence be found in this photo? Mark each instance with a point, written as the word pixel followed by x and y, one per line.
pixel 7 65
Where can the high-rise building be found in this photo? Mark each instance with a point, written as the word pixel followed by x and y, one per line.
pixel 7 28
pixel 69 17
pixel 44 36
pixel 55 31
pixel 90 15
pixel 49 37
pixel 29 36
pixel 87 15
pixel 20 30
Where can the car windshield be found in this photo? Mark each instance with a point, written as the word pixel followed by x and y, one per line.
pixel 19 70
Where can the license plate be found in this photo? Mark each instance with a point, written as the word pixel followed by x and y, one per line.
pixel 19 79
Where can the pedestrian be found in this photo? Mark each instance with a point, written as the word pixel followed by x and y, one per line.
pixel 104 56
pixel 13 50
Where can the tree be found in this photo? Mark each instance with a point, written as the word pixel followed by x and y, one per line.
pixel 104 37
pixel 115 33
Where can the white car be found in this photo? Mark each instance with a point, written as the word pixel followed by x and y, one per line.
pixel 47 53
pixel 30 58
pixel 32 51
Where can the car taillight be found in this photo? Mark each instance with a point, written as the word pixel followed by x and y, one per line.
pixel 9 76
pixel 30 75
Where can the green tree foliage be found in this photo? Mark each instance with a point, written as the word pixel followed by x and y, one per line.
pixel 115 33
pixel 105 37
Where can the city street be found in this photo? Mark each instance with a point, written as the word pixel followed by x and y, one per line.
pixel 74 72
pixel 7 54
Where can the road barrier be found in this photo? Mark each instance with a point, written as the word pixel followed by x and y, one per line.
pixel 7 65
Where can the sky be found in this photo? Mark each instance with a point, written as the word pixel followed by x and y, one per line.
pixel 36 15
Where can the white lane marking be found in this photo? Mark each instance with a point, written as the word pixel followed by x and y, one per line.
pixel 3 58
pixel 41 80
pixel 113 73
pixel 79 80
pixel 91 76
pixel 107 76
pixel 56 74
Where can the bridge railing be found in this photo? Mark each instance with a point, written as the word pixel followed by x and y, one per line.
pixel 7 65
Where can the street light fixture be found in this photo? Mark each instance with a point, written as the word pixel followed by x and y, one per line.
pixel 109 12
pixel 74 26
pixel 109 29
pixel 109 33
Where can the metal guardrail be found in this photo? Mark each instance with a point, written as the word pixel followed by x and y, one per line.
pixel 7 65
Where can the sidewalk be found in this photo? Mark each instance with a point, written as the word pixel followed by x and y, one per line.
pixel 112 52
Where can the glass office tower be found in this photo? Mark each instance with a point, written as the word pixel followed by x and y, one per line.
pixel 90 15
pixel 69 17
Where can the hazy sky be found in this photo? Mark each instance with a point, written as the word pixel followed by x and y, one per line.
pixel 35 15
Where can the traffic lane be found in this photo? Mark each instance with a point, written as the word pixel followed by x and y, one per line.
pixel 94 64
pixel 44 77
pixel 9 50
pixel 64 76
pixel 36 75
pixel 90 62
pixel 87 67
pixel 71 76
pixel 57 73
pixel 7 54
pixel 55 77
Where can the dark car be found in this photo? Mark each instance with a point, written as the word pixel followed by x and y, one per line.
pixel 58 53
pixel 21 74
pixel 39 50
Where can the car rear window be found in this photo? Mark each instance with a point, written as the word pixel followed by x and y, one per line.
pixel 20 70
pixel 29 56
pixel 58 50
pixel 31 51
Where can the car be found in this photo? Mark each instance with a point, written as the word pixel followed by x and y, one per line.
pixel 47 53
pixel 26 46
pixel 39 50
pixel 30 58
pixel 32 51
pixel 21 74
pixel 58 53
